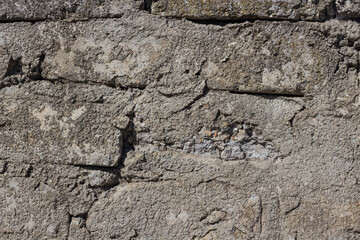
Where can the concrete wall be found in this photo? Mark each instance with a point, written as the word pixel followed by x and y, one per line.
pixel 179 119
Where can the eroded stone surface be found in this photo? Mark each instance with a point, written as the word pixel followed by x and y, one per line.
pixel 276 58
pixel 63 129
pixel 348 8
pixel 195 205
pixel 243 9
pixel 202 131
pixel 42 201
pixel 30 209
pixel 35 10
pixel 207 210
pixel 215 126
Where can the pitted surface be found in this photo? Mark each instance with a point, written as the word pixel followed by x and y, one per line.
pixel 179 119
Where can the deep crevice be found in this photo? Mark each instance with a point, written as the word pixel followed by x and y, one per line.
pixel 36 71
pixel 32 21
pixel 146 5
pixel 129 140
pixel 93 168
pixel 332 11
pixel 5 166
pixel 14 67
pixel 29 171
pixel 269 95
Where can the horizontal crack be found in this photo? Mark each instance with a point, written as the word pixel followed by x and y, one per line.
pixel 250 20
pixel 66 81
pixel 33 21
pixel 89 167
pixel 268 94
pixel 94 168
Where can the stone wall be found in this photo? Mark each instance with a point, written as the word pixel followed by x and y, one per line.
pixel 179 119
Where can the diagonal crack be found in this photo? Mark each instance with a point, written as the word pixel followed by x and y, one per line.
pixel 205 91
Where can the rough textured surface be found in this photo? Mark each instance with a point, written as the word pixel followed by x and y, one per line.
pixel 35 10
pixel 118 123
pixel 348 8
pixel 280 58
pixel 63 124
pixel 244 9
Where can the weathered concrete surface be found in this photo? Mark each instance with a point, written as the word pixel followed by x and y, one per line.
pixel 244 9
pixel 215 126
pixel 348 8
pixel 36 10
pixel 210 211
pixel 31 210
pixel 47 201
pixel 145 127
pixel 62 124
pixel 279 58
